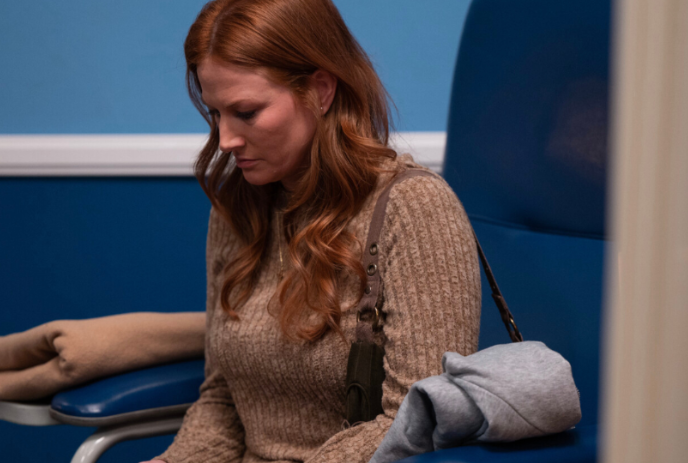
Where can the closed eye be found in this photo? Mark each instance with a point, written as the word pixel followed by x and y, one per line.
pixel 245 116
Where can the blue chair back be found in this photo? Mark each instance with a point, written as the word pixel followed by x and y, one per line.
pixel 527 155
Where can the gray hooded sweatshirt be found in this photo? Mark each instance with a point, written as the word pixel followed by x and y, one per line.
pixel 500 394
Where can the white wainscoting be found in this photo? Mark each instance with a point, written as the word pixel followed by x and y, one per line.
pixel 148 154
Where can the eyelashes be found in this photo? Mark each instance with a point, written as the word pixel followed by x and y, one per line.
pixel 246 116
pixel 243 115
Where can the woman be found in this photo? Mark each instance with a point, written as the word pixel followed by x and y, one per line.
pixel 297 155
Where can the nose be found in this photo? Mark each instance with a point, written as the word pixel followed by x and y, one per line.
pixel 229 139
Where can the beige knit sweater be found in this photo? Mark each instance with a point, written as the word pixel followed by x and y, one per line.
pixel 266 399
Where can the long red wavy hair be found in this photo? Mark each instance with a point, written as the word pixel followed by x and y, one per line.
pixel 291 39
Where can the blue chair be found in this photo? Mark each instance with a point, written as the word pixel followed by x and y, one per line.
pixel 134 405
pixel 526 153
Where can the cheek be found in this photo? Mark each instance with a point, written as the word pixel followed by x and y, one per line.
pixel 303 128
pixel 288 134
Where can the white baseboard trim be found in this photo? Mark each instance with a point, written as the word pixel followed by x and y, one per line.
pixel 148 154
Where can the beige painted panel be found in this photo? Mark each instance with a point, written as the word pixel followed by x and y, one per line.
pixel 645 395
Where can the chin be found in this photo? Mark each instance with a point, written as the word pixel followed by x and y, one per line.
pixel 257 178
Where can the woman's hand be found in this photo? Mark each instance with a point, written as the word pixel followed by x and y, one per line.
pixel 154 461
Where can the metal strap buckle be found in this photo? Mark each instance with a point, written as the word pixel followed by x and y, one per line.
pixel 376 320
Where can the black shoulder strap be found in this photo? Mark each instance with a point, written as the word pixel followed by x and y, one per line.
pixel 370 300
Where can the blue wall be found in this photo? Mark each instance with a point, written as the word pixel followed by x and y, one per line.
pixel 85 247
pixel 116 66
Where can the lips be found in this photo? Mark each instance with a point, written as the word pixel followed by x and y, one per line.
pixel 244 163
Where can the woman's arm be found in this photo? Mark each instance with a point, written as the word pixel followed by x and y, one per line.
pixel 431 279
pixel 212 431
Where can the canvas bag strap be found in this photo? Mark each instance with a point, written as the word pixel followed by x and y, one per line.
pixel 371 253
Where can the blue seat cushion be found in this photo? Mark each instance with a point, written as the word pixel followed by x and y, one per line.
pixel 578 445
pixel 553 285
pixel 157 392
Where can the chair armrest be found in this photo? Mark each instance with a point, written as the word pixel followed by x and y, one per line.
pixel 142 395
pixel 36 413
pixel 577 445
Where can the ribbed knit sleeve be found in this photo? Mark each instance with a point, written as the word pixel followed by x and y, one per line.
pixel 430 273
pixel 212 431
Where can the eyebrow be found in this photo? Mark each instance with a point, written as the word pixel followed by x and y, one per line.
pixel 230 105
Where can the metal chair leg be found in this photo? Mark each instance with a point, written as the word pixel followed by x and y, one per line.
pixel 106 437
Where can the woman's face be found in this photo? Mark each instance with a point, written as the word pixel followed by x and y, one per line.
pixel 267 130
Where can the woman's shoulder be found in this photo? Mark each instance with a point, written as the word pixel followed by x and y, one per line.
pixel 430 190
pixel 221 237
pixel 418 205
pixel 217 223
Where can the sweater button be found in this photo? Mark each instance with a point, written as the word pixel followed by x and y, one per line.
pixel 369 289
pixel 373 249
pixel 372 268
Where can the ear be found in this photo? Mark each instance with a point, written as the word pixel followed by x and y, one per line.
pixel 326 86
